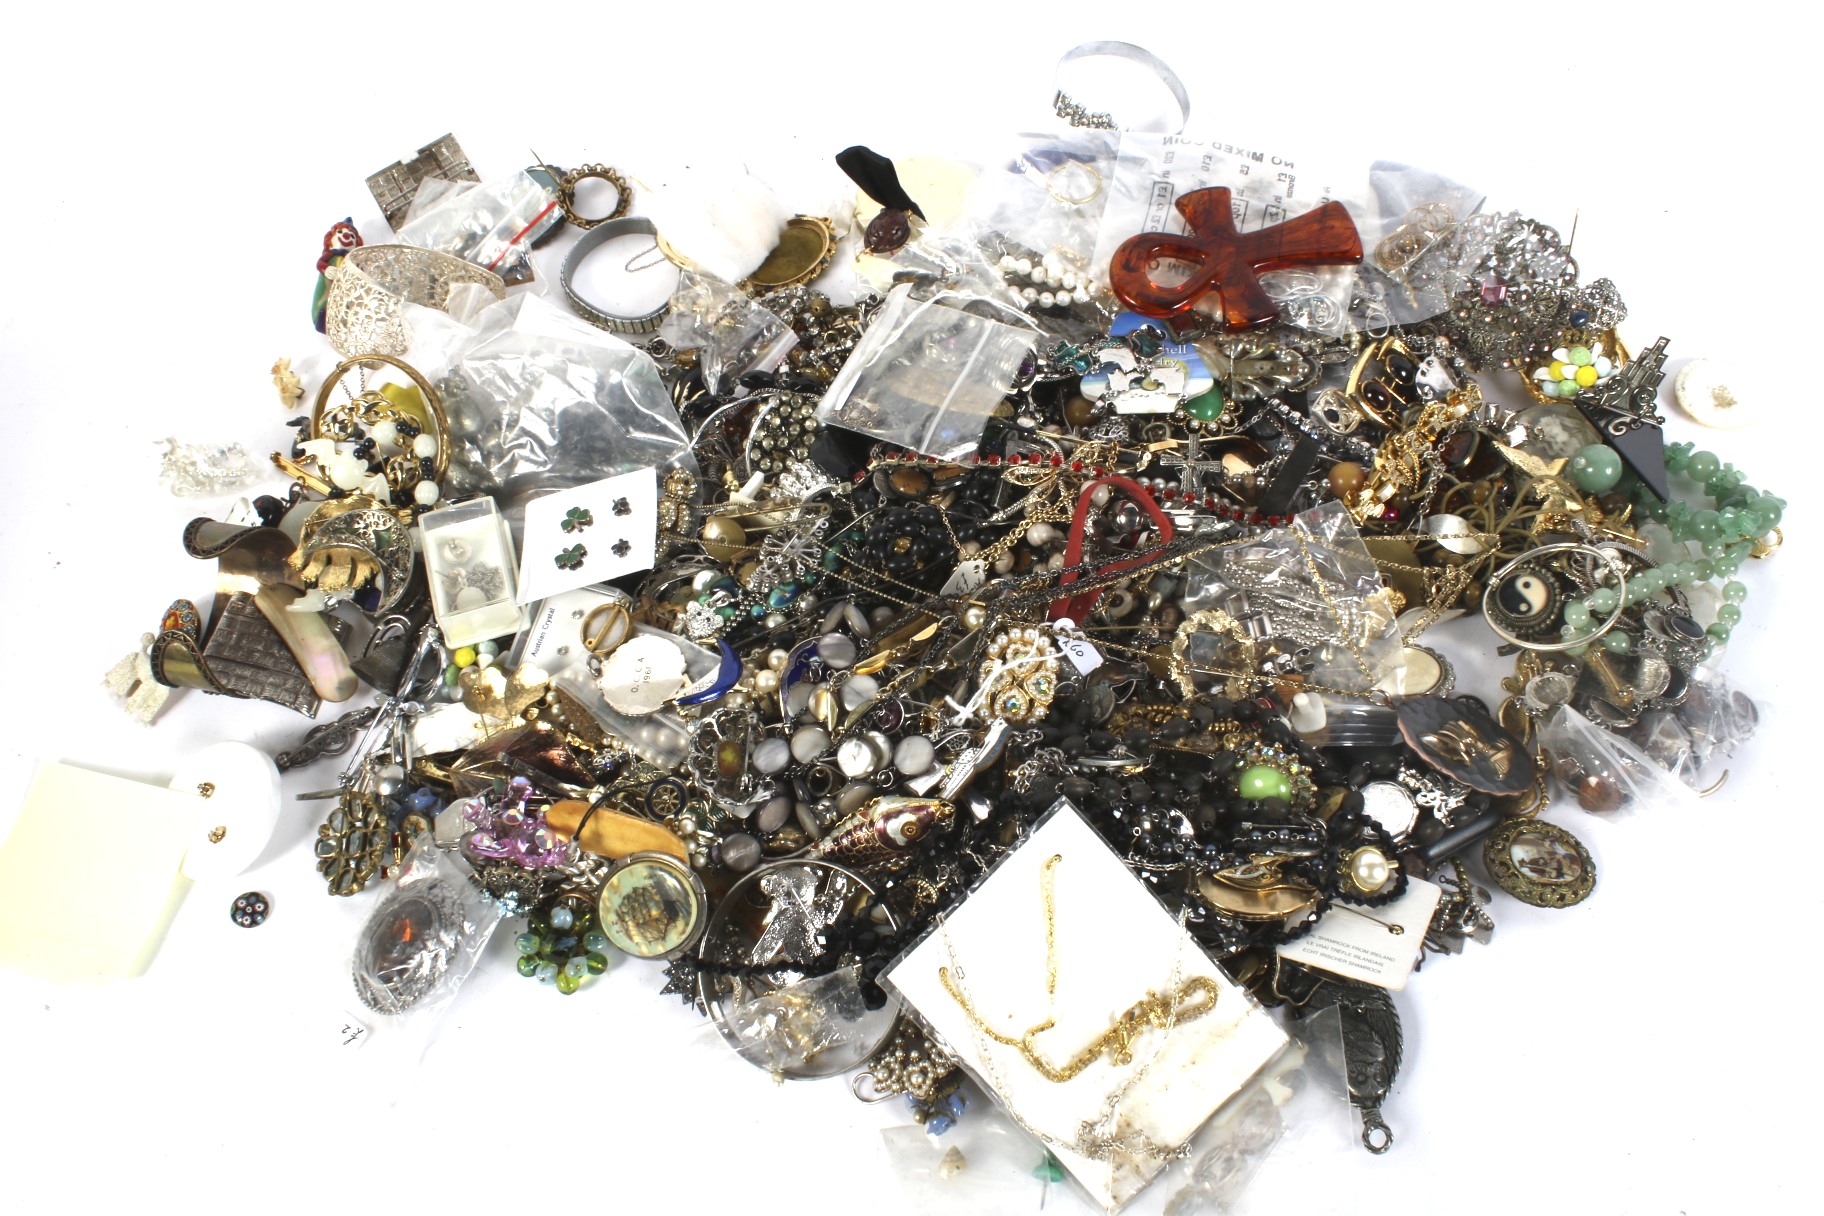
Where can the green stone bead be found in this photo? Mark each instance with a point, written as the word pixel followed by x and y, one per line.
pixel 1734 592
pixel 1264 781
pixel 1207 407
pixel 1601 600
pixel 1581 356
pixel 1676 462
pixel 1752 523
pixel 1713 548
pixel 1616 641
pixel 1727 565
pixel 1730 615
pixel 1706 525
pixel 1719 631
pixel 1773 510
pixel 1703 466
pixel 567 983
pixel 1705 569
pixel 1596 468
pixel 1577 615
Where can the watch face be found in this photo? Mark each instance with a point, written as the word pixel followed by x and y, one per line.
pixel 1463 742
pixel 652 906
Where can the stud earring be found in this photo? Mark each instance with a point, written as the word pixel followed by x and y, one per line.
pixel 577 518
pixel 622 548
pixel 571 558
pixel 622 507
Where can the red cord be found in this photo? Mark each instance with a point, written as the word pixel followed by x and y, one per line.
pixel 1078 607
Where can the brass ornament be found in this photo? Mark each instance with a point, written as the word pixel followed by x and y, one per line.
pixel 1539 863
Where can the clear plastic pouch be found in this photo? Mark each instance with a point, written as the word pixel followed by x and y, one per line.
pixel 1311 592
pixel 1604 770
pixel 421 941
pixel 540 400
pixel 733 334
pixel 1153 171
pixel 1049 194
pixel 927 374
pixel 487 223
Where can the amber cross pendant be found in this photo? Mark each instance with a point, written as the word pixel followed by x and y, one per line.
pixel 1229 262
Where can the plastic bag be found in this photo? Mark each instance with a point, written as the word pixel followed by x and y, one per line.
pixel 927 375
pixel 422 940
pixel 1311 592
pixel 488 223
pixel 1603 769
pixel 1152 171
pixel 540 400
pixel 1049 195
pixel 734 335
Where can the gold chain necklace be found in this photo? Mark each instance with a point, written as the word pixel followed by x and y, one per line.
pixel 1187 1002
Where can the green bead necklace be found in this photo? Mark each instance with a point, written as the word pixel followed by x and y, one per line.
pixel 1726 533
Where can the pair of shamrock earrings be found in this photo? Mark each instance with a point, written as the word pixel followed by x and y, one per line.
pixel 578 518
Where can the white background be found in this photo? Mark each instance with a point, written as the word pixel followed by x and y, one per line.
pixel 170 174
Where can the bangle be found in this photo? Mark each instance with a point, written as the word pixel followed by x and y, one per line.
pixel 590 241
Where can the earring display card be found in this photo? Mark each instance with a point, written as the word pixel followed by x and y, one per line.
pixel 1082 1006
pixel 1374 945
pixel 615 521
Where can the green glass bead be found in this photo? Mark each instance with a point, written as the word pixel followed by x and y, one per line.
pixel 1601 600
pixel 1207 407
pixel 1703 465
pixel 1706 525
pixel 1577 615
pixel 1581 356
pixel 596 940
pixel 1719 631
pixel 596 961
pixel 1049 1170
pixel 1264 781
pixel 528 965
pixel 1730 615
pixel 1615 641
pixel 528 943
pixel 1596 468
pixel 1734 592
pixel 567 983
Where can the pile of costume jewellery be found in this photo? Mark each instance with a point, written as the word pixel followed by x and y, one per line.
pixel 749 631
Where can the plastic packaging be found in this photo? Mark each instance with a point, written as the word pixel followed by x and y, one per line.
pixel 1152 171
pixel 1049 194
pixel 734 335
pixel 927 375
pixel 1311 591
pixel 469 561
pixel 1603 769
pixel 422 939
pixel 540 400
pixel 487 223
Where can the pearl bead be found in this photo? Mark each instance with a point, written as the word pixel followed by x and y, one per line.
pixel 1369 870
pixel 425 493
pixel 347 471
pixel 385 432
pixel 424 447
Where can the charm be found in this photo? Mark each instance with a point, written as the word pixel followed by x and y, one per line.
pixel 1625 409
pixel 340 238
pixel 652 906
pixel 1463 742
pixel 1539 863
pixel 408 945
pixel 806 901
pixel 578 518
pixel 885 833
pixel 1227 261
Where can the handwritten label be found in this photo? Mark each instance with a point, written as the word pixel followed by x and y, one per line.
pixel 968 575
pixel 1082 654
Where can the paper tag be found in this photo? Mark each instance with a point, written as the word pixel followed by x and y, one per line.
pixel 351 1032
pixel 968 575
pixel 1082 654
pixel 1359 943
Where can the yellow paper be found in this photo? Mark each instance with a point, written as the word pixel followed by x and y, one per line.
pixel 89 877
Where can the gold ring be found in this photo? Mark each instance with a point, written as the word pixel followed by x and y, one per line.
pixel 1052 189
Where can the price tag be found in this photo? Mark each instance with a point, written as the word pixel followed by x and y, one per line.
pixel 351 1032
pixel 1082 654
pixel 967 577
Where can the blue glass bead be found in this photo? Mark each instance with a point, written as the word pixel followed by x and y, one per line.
pixel 577 967
pixel 547 973
pixel 528 943
pixel 596 940
pixel 562 917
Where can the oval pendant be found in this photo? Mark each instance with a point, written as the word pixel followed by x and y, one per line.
pixel 1539 863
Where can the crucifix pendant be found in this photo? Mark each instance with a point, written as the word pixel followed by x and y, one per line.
pixel 1229 262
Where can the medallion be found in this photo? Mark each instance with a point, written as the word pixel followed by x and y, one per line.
pixel 652 906
pixel 1460 740
pixel 1539 863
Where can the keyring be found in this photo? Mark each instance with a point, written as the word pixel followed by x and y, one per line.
pixel 1051 187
